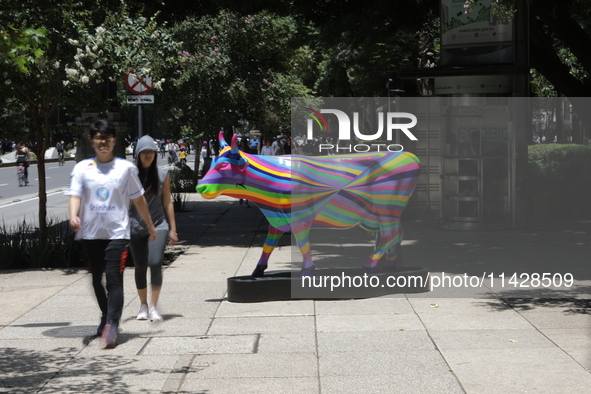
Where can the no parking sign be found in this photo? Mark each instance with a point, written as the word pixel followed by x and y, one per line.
pixel 137 84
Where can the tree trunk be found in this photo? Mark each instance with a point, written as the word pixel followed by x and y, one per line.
pixel 545 59
pixel 41 121
pixel 42 134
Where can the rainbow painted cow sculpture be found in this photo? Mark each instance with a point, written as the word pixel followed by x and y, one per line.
pixel 298 193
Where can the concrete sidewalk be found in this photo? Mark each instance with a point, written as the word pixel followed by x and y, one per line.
pixel 476 339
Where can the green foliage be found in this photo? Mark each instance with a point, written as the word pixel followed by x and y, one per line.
pixel 180 185
pixel 559 153
pixel 563 173
pixel 236 67
pixel 120 44
pixel 20 48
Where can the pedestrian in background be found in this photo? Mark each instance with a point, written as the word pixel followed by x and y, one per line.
pixel 101 190
pixel 254 145
pixel 277 146
pixel 267 150
pixel 287 146
pixel 156 183
pixel 243 146
pixel 22 157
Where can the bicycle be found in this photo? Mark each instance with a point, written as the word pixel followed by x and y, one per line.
pixel 61 160
pixel 20 173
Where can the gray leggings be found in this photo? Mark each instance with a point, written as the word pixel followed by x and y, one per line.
pixel 148 253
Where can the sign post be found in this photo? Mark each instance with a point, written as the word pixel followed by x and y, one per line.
pixel 139 86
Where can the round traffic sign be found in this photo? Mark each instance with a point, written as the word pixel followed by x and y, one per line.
pixel 137 84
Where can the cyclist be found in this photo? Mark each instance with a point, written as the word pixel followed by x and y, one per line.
pixel 22 158
pixel 172 157
pixel 162 149
pixel 183 156
pixel 60 152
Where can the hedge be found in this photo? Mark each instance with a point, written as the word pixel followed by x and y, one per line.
pixel 560 174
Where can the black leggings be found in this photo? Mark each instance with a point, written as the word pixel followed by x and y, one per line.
pixel 108 256
pixel 148 254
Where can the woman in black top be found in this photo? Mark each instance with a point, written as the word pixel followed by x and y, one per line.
pixel 287 147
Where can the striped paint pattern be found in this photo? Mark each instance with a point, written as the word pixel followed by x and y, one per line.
pixel 298 193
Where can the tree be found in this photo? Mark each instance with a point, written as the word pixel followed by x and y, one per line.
pixel 360 44
pixel 560 37
pixel 68 56
pixel 119 45
pixel 33 75
pixel 236 67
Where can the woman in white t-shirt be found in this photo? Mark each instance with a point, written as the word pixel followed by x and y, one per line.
pixel 267 150
pixel 100 191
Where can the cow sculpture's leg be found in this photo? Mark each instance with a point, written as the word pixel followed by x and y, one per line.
pixel 273 236
pixel 303 240
pixel 390 235
pixel 392 257
pixel 394 254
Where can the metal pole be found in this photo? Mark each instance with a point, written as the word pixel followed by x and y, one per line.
pixel 140 125
pixel 388 89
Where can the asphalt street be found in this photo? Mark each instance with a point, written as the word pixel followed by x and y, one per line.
pixel 18 204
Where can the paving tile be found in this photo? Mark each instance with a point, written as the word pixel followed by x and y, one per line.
pixel 389 322
pixel 551 319
pixel 490 339
pixel 370 306
pixel 278 308
pixel 299 385
pixel 396 381
pixel 206 344
pixel 517 370
pixel 255 366
pixel 263 324
pixel 287 343
pixel 370 341
pixel 463 314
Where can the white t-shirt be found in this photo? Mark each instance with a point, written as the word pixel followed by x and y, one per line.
pixel 276 148
pixel 267 151
pixel 106 190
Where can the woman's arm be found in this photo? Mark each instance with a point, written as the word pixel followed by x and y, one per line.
pixel 169 211
pixel 142 207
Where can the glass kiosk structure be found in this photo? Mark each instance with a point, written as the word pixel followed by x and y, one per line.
pixel 476 170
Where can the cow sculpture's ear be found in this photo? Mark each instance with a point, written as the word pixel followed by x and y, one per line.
pixel 221 139
pixel 234 144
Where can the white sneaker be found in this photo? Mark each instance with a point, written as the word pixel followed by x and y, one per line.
pixel 143 313
pixel 154 315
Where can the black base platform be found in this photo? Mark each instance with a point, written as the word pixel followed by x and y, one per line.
pixel 330 283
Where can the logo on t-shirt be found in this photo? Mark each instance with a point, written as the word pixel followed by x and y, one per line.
pixel 102 194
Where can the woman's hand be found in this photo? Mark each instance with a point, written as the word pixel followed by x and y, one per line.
pixel 173 238
pixel 153 234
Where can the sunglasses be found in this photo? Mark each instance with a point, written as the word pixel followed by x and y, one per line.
pixel 105 138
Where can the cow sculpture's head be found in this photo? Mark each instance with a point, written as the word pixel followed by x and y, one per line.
pixel 227 173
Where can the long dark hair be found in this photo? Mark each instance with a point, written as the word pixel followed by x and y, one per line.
pixel 149 176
